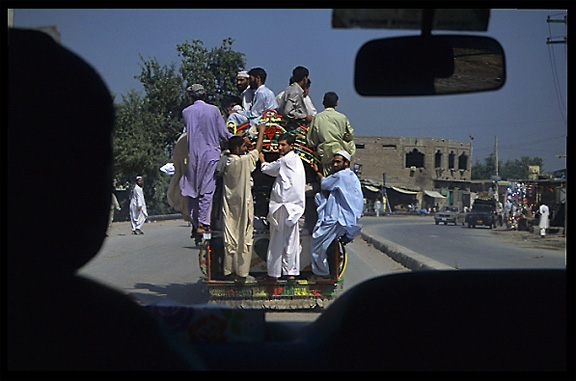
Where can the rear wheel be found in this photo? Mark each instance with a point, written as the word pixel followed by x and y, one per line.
pixel 342 260
pixel 204 258
pixel 337 259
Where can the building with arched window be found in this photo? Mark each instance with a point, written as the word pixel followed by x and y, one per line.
pixel 435 170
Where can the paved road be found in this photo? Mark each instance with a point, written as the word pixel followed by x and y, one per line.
pixel 164 263
pixel 463 248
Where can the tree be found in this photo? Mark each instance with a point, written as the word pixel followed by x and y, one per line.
pixel 511 169
pixel 484 171
pixel 212 68
pixel 518 169
pixel 148 125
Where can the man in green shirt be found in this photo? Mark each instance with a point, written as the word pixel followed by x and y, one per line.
pixel 330 132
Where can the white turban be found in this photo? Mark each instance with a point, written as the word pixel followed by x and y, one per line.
pixel 344 154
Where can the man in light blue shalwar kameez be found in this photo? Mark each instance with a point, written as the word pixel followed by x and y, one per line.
pixel 339 207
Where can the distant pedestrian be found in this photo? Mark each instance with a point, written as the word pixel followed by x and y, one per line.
pixel 544 218
pixel 113 205
pixel 138 211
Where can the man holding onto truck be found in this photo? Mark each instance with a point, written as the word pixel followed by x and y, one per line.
pixel 340 204
pixel 287 201
pixel 236 168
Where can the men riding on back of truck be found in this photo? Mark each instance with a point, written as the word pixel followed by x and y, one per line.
pixel 339 203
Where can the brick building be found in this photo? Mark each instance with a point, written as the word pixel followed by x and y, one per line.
pixel 430 171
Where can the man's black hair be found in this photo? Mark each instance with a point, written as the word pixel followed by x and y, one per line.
pixel 290 139
pixel 330 99
pixel 258 72
pixel 227 101
pixel 299 72
pixel 235 142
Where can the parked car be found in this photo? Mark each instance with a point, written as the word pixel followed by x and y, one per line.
pixel 481 214
pixel 449 214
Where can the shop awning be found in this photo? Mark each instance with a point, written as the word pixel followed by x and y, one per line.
pixel 371 188
pixel 405 191
pixel 433 194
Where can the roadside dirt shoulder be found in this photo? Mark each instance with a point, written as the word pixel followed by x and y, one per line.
pixel 554 240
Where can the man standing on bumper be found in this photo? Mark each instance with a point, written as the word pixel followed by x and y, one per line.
pixel 205 128
pixel 238 205
pixel 286 207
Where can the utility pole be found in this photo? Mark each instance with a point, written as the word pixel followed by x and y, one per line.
pixel 497 177
pixel 496 153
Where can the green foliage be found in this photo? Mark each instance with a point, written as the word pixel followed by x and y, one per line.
pixel 215 69
pixel 148 125
pixel 511 169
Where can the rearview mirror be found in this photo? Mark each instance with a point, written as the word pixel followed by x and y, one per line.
pixel 429 65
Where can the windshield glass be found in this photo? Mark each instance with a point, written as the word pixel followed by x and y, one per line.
pixel 382 167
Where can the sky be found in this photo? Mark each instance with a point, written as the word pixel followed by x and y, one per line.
pixel 528 115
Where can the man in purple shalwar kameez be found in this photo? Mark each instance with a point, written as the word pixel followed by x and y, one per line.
pixel 204 128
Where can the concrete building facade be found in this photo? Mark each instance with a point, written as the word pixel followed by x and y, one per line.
pixel 426 166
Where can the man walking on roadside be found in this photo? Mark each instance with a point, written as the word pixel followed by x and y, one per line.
pixel 543 224
pixel 138 211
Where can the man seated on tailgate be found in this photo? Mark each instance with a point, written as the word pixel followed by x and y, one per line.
pixel 339 206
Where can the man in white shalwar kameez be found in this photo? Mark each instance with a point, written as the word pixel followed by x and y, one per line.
pixel 544 219
pixel 339 206
pixel 138 211
pixel 287 202
pixel 236 168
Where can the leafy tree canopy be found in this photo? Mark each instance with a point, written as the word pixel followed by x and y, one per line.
pixel 511 169
pixel 147 125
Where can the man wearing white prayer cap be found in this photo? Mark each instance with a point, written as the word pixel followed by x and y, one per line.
pixel 345 155
pixel 243 85
pixel 339 208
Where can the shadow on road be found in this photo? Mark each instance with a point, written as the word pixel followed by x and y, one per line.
pixel 190 293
